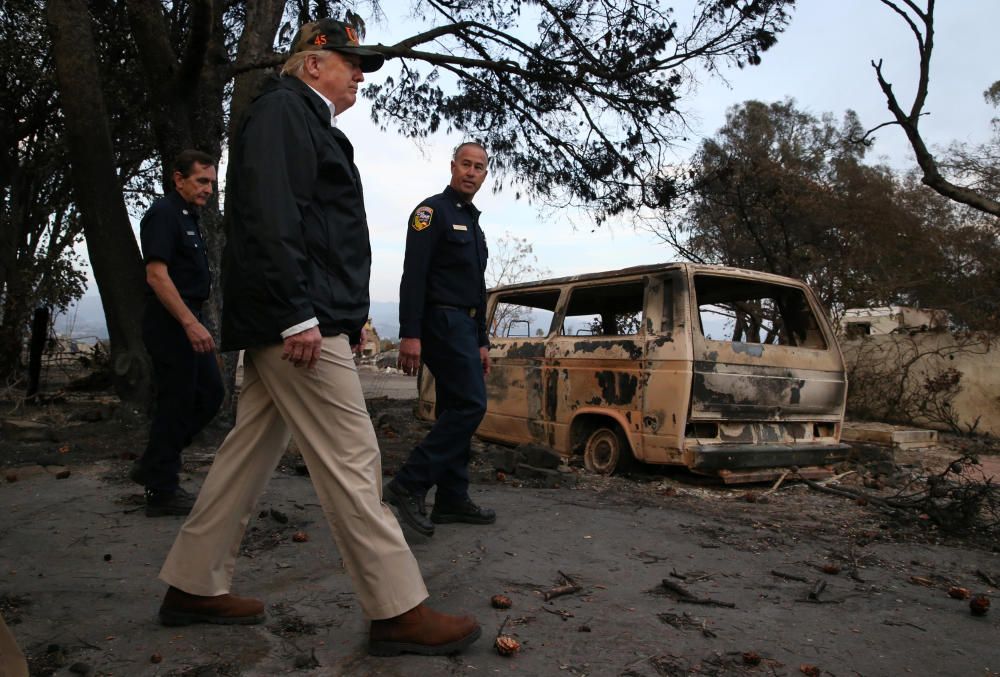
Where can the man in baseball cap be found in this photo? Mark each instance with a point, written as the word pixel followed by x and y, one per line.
pixel 295 275
pixel 339 37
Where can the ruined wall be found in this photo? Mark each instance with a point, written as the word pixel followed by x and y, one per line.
pixel 933 379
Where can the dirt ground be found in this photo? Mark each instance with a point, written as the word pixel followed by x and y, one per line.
pixel 677 574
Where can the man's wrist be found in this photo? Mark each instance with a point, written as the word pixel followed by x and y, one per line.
pixel 300 327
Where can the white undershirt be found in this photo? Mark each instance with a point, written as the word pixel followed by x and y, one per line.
pixel 329 104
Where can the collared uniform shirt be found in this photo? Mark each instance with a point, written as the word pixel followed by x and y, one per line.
pixel 169 232
pixel 445 262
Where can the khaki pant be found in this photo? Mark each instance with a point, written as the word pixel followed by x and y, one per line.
pixel 12 662
pixel 324 409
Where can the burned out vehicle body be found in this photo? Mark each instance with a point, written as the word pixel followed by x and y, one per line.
pixel 725 371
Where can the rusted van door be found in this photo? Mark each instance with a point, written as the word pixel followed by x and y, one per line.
pixel 515 389
pixel 667 368
pixel 768 385
pixel 593 371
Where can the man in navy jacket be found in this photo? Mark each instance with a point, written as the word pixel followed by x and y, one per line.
pixel 295 281
pixel 442 322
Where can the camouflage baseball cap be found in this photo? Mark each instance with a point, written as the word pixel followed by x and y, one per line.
pixel 337 36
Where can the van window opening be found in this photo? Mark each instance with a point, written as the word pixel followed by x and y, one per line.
pixel 606 310
pixel 746 311
pixel 520 315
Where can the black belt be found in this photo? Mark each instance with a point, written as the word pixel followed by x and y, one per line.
pixel 471 312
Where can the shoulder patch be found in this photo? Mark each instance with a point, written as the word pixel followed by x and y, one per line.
pixel 422 218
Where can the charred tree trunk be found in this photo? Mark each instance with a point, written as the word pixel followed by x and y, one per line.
pixel 12 331
pixel 12 312
pixel 114 254
pixel 255 46
pixel 39 334
pixel 187 88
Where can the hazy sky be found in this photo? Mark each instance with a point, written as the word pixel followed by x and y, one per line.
pixel 822 61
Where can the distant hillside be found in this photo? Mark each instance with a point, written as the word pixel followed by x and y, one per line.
pixel 86 319
pixel 385 317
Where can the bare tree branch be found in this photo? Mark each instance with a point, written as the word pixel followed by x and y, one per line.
pixel 923 30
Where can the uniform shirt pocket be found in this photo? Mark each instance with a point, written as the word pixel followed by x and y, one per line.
pixel 459 237
pixel 190 239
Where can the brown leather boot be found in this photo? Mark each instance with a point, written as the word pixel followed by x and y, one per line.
pixel 182 608
pixel 424 631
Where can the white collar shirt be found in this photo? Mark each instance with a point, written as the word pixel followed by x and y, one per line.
pixel 329 104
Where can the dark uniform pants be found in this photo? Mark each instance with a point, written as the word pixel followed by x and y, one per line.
pixel 449 346
pixel 188 394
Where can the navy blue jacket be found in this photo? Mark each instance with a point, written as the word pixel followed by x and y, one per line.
pixel 445 262
pixel 297 241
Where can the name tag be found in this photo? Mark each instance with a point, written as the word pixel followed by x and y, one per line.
pixel 459 226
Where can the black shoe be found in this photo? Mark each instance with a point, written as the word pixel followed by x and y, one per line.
pixel 159 504
pixel 137 473
pixel 467 512
pixel 411 508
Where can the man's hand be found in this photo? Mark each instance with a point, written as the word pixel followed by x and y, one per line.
pixel 484 357
pixel 409 355
pixel 359 347
pixel 200 339
pixel 303 349
pixel 158 277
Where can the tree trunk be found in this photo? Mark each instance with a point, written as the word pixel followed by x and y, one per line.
pixel 114 254
pixel 12 332
pixel 39 334
pixel 256 45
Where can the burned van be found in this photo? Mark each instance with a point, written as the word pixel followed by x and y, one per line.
pixel 728 372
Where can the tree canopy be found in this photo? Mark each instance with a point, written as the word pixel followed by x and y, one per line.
pixel 577 100
pixel 784 191
pixel 919 18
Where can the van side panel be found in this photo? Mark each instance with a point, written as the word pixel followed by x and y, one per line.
pixel 739 382
pixel 667 370
pixel 594 371
pixel 515 392
pixel 666 398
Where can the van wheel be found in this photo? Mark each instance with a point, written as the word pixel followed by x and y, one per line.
pixel 606 451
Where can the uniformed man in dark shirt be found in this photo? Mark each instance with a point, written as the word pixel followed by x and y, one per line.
pixel 188 385
pixel 442 304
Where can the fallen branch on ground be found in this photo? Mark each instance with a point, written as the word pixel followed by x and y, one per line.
pixel 568 587
pixel 790 577
pixel 681 594
pixel 817 590
pixel 957 499
pixel 987 578
pixel 780 480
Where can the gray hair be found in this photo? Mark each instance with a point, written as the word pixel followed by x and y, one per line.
pixel 465 144
pixel 296 63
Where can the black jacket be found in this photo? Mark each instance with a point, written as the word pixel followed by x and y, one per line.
pixel 297 239
pixel 445 262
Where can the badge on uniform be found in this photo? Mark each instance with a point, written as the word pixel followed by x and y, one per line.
pixel 422 218
pixel 459 226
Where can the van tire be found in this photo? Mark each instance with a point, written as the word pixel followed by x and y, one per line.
pixel 607 451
